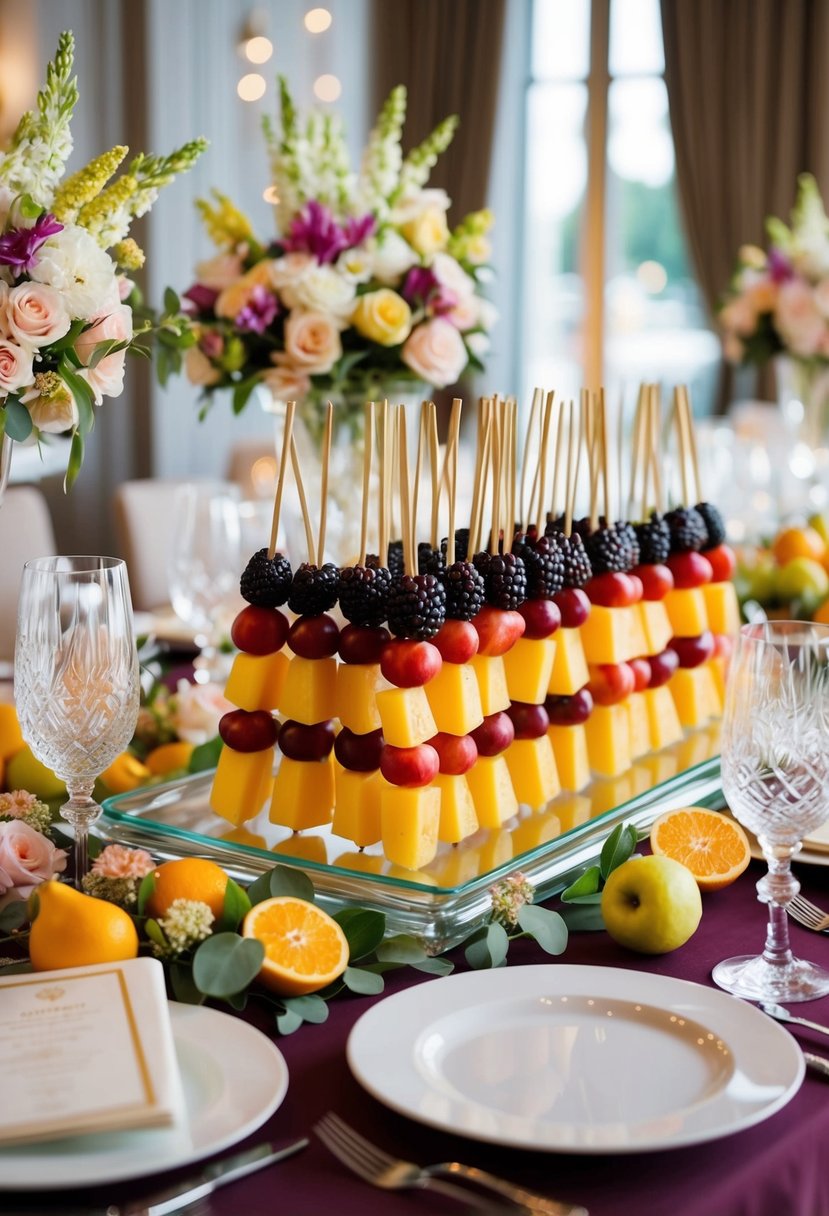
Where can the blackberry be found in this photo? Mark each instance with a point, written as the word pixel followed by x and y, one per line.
pixel 429 560
pixel 627 532
pixel 505 579
pixel 364 592
pixel 554 525
pixel 395 558
pixel 654 538
pixel 461 545
pixel 577 568
pixel 688 530
pixel 314 589
pixel 608 548
pixel 416 606
pixel 714 524
pixel 266 581
pixel 465 591
pixel 544 562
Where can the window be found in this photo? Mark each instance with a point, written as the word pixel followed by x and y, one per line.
pixel 610 296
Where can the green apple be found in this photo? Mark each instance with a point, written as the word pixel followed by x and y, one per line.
pixel 820 523
pixel 802 579
pixel 651 904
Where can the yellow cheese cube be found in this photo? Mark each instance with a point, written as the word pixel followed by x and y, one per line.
pixel 532 766
pixel 303 793
pixel 611 635
pixel 569 672
pixel 410 819
pixel 256 681
pixel 612 792
pixel 492 683
pixel 722 608
pixel 535 829
pixel 491 785
pixel 608 739
pixel 243 835
pixel 357 807
pixel 640 731
pixel 495 850
pixel 719 672
pixel 241 784
pixel 570 750
pixel 639 639
pixel 455 699
pixel 307 847
pixel 456 866
pixel 457 810
pixel 686 612
pixel 695 695
pixel 573 810
pixel 357 685
pixel 406 717
pixel 364 863
pixel 653 617
pixel 529 666
pixel 663 720
pixel 660 766
pixel 310 691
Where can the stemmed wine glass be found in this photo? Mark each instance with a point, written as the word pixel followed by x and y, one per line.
pixel 76 675
pixel 775 775
pixel 203 562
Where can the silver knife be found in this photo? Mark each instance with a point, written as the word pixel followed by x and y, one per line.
pixel 173 1199
pixel 816 1063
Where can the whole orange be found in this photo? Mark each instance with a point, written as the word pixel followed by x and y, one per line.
pixel 797 542
pixel 188 878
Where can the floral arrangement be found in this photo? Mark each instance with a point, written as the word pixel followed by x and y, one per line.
pixel 27 854
pixel 66 319
pixel 363 283
pixel 778 301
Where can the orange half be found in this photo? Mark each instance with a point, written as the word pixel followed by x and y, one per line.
pixel 305 949
pixel 713 847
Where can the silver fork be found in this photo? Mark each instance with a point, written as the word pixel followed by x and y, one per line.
pixel 808 914
pixel 390 1173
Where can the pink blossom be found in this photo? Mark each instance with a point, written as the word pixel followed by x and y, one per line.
pixel 798 319
pixel 117 861
pixel 106 379
pixel 16 803
pixel 436 352
pixel 26 859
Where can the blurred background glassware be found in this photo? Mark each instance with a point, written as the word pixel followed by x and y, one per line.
pixel 204 565
pixel 775 775
pixel 76 675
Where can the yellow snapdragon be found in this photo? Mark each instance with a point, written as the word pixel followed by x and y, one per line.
pixel 85 185
pixel 226 225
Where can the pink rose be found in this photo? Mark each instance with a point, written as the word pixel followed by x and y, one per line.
pixel 798 320
pixel 435 351
pixel 219 272
pixel 312 342
pixel 26 859
pixel 106 378
pixel 15 366
pixel 35 314
pixel 197 709
pixel 287 383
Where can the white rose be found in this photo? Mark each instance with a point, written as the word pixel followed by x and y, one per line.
pixel 198 708
pixel 355 264
pixel 413 205
pixel 219 272
pixel 15 366
pixel 449 272
pixel 324 289
pixel 33 314
pixel 52 412
pixel 106 378
pixel 390 257
pixel 74 264
pixel 478 344
pixel 436 352
pixel 288 271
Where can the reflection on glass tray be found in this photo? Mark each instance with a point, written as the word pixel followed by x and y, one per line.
pixel 442 902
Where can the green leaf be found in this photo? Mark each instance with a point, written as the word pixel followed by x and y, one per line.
pixel 311 1008
pixel 435 966
pixel 260 888
pixel 547 927
pixel 73 465
pixel 68 338
pixel 402 949
pixel 107 347
pixel 237 1000
pixel 242 392
pixel 153 930
pixel 28 207
pixel 366 983
pixel 586 884
pixel 18 419
pixel 363 929
pixel 81 391
pixel 163 364
pixel 16 969
pixel 284 880
pixel 617 848
pixel 582 918
pixel 225 963
pixel 205 756
pixel 183 984
pixel 331 990
pixel 288 1022
pixel 145 891
pixel 594 897
pixel 236 906
pixel 172 304
pixel 488 947
pixel 13 916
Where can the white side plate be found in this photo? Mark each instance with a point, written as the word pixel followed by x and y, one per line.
pixel 575 1059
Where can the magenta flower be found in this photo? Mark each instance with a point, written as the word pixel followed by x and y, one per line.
pixel 315 231
pixel 421 286
pixel 358 230
pixel 212 344
pixel 259 311
pixel 203 297
pixel 19 246
pixel 780 268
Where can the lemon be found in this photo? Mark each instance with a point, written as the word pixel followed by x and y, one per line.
pixel 72 929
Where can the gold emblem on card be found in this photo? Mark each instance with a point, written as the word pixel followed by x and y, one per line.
pixel 50 994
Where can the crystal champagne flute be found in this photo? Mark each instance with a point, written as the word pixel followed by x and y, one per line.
pixel 76 675
pixel 775 775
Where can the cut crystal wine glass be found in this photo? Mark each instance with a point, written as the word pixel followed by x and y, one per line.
pixel 76 675
pixel 775 775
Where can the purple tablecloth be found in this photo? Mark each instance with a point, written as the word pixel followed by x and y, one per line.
pixel 778 1168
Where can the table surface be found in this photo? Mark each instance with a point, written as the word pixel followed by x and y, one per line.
pixel 775 1169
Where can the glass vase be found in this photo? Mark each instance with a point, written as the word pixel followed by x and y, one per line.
pixel 803 399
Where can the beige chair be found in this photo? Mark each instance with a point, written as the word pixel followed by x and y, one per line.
pixel 144 529
pixel 25 532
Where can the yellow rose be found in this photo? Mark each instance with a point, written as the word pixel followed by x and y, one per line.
pixel 477 249
pixel 382 316
pixel 427 232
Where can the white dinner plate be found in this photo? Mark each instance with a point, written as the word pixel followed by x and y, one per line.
pixel 575 1059
pixel 233 1077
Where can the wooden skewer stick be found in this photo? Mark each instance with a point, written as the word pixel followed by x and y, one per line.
pixel 303 501
pixel 409 561
pixel 512 415
pixel 681 448
pixel 691 436
pixel 620 443
pixel 573 450
pixel 452 463
pixel 605 464
pixel 496 451
pixel 538 397
pixel 591 444
pixel 479 493
pixel 647 446
pixel 433 466
pixel 326 461
pixel 654 447
pixel 637 451
pixel 421 445
pixel 287 434
pixel 557 462
pixel 368 438
pixel 540 520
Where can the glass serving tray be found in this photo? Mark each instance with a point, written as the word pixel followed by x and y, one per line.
pixel 442 903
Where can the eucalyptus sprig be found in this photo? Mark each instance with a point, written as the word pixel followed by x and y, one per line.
pixel 583 897
pixel 514 916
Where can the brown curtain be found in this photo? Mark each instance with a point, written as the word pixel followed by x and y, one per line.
pixel 749 102
pixel 448 54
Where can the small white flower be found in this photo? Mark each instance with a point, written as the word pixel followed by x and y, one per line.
pixel 478 344
pixel 391 257
pixel 355 265
pixel 324 289
pixel 74 264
